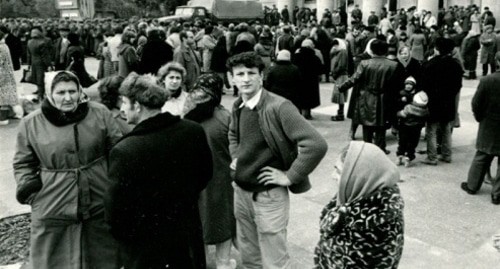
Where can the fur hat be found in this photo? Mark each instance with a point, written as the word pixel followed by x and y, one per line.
pixel 411 80
pixel 283 55
pixel 420 99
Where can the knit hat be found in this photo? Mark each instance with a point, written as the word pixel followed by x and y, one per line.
pixel 283 55
pixel 308 43
pixel 420 98
pixel 411 80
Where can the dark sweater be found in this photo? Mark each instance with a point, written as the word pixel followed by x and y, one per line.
pixel 254 155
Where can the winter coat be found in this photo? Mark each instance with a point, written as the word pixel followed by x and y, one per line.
pixel 487 113
pixel 67 169
pixel 152 205
pixel 442 80
pixel 39 57
pixel 8 88
pixel 76 64
pixel 374 225
pixel 155 54
pixel 188 58
pixel 409 113
pixel 470 51
pixel 284 79
pixel 216 200
pixel 488 49
pixel 16 50
pixel 414 69
pixel 220 56
pixel 207 45
pixel 378 80
pixel 418 44
pixel 310 68
pixel 127 60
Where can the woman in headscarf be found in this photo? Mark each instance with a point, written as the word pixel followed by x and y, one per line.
pixel 470 48
pixel 418 44
pixel 310 68
pixel 363 225
pixel 411 66
pixel 216 201
pixel 127 56
pixel 60 166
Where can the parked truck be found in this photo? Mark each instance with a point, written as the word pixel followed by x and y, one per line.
pixel 218 10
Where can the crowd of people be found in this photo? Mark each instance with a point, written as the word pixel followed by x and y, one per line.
pixel 161 168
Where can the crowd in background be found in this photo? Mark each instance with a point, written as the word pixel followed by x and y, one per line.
pixel 402 71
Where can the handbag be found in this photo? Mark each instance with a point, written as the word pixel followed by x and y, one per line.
pixel 27 76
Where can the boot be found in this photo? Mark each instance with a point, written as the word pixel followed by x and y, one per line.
pixel 4 116
pixel 472 75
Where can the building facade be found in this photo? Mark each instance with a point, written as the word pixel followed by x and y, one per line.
pixel 376 5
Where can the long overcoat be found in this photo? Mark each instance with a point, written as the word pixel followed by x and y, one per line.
pixel 67 167
pixel 470 50
pixel 488 49
pixel 158 171
pixel 487 112
pixel 310 68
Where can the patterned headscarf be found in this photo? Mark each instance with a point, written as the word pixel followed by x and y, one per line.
pixel 204 97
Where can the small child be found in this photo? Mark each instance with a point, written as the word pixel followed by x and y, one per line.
pixel 412 115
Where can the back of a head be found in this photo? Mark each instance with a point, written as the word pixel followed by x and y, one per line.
pixel 379 47
pixel 144 89
pixel 117 29
pixel 109 91
pixel 444 45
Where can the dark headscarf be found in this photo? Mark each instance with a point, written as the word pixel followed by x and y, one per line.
pixel 203 98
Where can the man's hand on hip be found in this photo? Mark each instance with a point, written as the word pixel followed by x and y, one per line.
pixel 269 175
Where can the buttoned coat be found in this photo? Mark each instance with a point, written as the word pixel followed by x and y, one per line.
pixel 486 109
pixel 188 58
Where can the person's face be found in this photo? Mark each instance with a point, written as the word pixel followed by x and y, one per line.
pixel 408 87
pixel 190 38
pixel 65 96
pixel 130 110
pixel 248 80
pixel 64 33
pixel 404 54
pixel 337 171
pixel 173 81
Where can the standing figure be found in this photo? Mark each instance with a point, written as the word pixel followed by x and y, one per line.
pixel 39 58
pixel 157 172
pixel 470 48
pixel 185 55
pixel 488 49
pixel 8 88
pixel 310 68
pixel 216 201
pixel 378 80
pixel 485 108
pixel 273 150
pixel 366 215
pixel 442 81
pixel 61 166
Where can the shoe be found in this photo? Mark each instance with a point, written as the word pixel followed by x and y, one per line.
pixel 495 200
pixel 445 159
pixel 466 189
pixel 230 264
pixel 4 122
pixel 337 118
pixel 308 117
pixel 386 151
pixel 429 161
pixel 400 160
pixel 407 162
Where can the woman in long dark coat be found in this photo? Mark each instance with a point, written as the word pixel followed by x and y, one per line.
pixel 216 201
pixel 284 78
pixel 155 54
pixel 324 45
pixel 310 69
pixel 75 60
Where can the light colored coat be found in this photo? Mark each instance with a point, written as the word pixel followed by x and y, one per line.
pixel 67 221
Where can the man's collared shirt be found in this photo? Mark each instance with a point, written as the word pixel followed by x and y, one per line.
pixel 252 102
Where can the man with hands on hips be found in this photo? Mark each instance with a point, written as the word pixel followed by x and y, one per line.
pixel 274 149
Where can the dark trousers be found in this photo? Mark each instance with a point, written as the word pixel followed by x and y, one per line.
pixel 374 132
pixel 485 69
pixel 409 137
pixel 480 165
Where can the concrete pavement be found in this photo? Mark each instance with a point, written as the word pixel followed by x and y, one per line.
pixel 445 227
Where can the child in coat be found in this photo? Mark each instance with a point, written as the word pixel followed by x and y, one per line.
pixel 412 115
